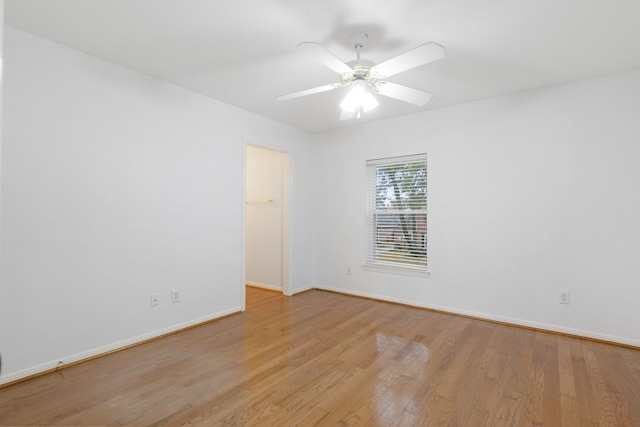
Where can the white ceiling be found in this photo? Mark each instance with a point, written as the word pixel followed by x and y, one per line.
pixel 243 52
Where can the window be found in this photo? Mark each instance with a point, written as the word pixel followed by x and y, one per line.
pixel 397 214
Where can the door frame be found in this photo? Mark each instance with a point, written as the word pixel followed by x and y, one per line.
pixel 285 218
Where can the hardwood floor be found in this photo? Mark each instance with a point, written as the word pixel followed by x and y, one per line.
pixel 321 358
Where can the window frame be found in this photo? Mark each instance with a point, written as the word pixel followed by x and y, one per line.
pixel 373 213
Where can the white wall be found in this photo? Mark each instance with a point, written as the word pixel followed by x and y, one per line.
pixel 116 185
pixel 265 170
pixel 529 194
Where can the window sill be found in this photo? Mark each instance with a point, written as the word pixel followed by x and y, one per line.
pixel 396 270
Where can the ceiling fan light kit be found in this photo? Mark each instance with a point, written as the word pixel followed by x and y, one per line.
pixel 364 77
pixel 359 97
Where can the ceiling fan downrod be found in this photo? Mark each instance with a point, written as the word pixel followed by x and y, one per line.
pixel 358 41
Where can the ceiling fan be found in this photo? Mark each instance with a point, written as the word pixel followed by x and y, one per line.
pixel 365 77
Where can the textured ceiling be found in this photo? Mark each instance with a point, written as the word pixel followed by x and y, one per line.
pixel 244 52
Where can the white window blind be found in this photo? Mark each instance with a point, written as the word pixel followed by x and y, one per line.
pixel 397 212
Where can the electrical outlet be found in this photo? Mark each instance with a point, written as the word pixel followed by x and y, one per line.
pixel 155 300
pixel 175 295
pixel 565 297
pixel 349 270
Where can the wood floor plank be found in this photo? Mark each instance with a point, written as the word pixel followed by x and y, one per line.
pixel 325 359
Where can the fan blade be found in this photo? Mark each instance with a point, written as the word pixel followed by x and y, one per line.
pixel 306 92
pixel 421 55
pixel 327 58
pixel 403 93
pixel 347 114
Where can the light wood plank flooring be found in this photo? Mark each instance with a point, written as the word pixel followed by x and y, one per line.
pixel 321 358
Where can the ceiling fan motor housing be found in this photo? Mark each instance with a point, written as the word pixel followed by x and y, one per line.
pixel 361 71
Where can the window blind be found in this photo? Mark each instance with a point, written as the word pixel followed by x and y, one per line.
pixel 397 212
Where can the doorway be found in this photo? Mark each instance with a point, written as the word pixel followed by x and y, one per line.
pixel 266 219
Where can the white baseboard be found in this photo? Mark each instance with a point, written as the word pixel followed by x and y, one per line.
pixel 491 317
pixel 265 286
pixel 75 358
